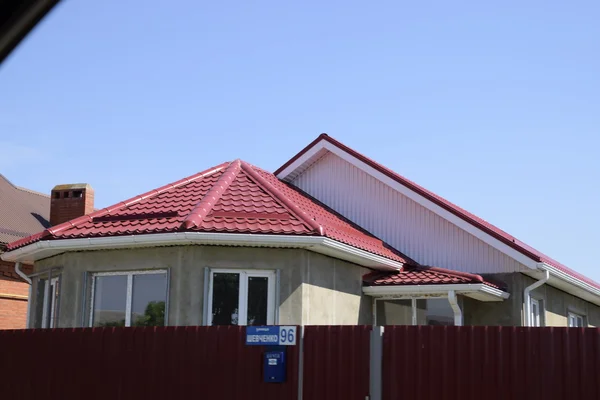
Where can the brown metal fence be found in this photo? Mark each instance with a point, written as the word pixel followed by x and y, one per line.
pixel 137 363
pixel 423 362
pixel 336 362
pixel 214 363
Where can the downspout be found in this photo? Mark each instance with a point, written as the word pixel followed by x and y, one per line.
pixel 455 307
pixel 527 294
pixel 28 280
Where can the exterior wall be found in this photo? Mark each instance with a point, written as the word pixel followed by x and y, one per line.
pixel 403 223
pixel 313 289
pixel 556 303
pixel 13 297
pixel 332 293
pixel 506 313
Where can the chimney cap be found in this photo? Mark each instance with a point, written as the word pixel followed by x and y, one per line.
pixel 72 186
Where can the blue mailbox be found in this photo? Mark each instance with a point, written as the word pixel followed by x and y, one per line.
pixel 274 366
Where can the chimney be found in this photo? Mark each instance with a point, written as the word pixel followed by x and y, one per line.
pixel 70 201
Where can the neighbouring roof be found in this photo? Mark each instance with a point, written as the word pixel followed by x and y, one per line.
pixel 420 275
pixel 233 197
pixel 22 212
pixel 474 220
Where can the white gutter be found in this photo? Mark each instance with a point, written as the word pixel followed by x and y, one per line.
pixel 527 295
pixel 412 291
pixel 28 280
pixel 319 244
pixel 458 320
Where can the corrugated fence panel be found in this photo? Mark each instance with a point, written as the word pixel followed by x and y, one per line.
pixel 138 363
pixel 424 362
pixel 336 362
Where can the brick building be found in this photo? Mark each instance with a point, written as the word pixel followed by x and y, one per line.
pixel 24 212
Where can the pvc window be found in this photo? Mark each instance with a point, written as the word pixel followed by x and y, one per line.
pixel 241 297
pixel 135 298
pixel 536 312
pixel 576 320
pixel 47 300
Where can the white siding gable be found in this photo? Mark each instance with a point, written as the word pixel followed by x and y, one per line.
pixel 399 220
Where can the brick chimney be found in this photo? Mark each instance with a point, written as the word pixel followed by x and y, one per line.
pixel 70 201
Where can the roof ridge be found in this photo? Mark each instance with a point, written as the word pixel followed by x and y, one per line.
pixel 32 191
pixel 287 203
pixel 24 189
pixel 89 217
pixel 450 272
pixel 205 205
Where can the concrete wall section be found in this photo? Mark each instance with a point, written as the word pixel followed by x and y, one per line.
pixel 313 289
pixel 332 293
pixel 506 313
pixel 556 304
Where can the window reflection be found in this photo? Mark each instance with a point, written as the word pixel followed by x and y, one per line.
pixel 428 312
pixel 110 300
pixel 225 299
pixel 149 299
pixel 258 289
pixel 144 294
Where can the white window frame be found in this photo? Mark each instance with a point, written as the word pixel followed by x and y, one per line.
pixel 536 320
pixel 51 297
pixel 129 299
pixel 574 317
pixel 243 293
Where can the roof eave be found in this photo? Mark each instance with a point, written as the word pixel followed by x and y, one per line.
pixel 478 291
pixel 319 244
pixel 567 283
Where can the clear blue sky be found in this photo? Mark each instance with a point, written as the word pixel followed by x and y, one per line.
pixel 495 107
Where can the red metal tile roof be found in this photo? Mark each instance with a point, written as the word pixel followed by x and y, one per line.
pixel 474 220
pixel 422 276
pixel 233 197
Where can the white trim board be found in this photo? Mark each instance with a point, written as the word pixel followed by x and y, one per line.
pixel 319 244
pixel 477 291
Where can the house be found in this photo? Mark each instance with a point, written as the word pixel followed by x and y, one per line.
pixel 331 237
pixel 22 213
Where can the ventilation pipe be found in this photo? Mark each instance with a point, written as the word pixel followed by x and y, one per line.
pixel 527 294
pixel 28 280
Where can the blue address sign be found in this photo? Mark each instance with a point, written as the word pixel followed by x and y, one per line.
pixel 271 335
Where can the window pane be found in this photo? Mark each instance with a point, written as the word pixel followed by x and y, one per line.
pixel 258 291
pixel 149 300
pixel 54 290
pixel 225 298
pixel 110 298
pixel 435 312
pixel 40 294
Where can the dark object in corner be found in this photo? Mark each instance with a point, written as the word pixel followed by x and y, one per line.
pixel 17 19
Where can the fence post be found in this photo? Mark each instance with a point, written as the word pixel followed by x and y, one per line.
pixel 300 339
pixel 376 359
